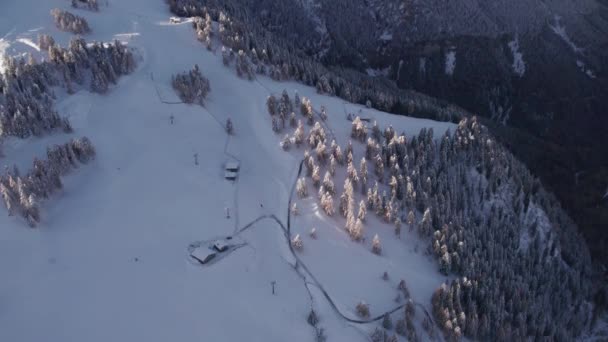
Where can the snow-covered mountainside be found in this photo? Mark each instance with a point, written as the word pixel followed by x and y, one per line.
pixel 456 236
pixel 536 69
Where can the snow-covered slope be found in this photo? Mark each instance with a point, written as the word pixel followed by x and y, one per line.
pixel 110 259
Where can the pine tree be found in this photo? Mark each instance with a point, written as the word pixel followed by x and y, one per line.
pixel 299 134
pixel 312 318
pixel 363 309
pixel 271 104
pixel 387 323
pixel 356 232
pixel 328 183
pixel 286 142
pixel 376 247
pixel 425 226
pixel 398 227
pixel 294 210
pixel 297 242
pixel 411 220
pixel 400 327
pixel 378 335
pixel 363 168
pixel 229 127
pixel 301 188
pixel 313 233
pixel 316 177
pixel 362 211
pixel 327 203
pixel 332 165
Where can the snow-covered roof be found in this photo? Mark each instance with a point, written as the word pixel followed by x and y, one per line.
pixel 232 165
pixel 220 245
pixel 230 175
pixel 203 254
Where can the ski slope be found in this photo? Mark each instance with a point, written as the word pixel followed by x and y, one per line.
pixel 109 261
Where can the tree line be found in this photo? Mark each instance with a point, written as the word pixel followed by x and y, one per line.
pixel 21 193
pixel 254 49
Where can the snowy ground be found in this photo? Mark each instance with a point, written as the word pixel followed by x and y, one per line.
pixel 110 261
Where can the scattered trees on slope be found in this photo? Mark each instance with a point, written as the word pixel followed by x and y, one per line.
pixel 22 193
pixel 26 88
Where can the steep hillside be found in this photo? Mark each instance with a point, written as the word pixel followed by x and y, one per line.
pixel 537 69
pixel 460 239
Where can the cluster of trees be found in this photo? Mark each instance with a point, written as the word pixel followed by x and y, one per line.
pixel 45 41
pixel 26 109
pixel 282 112
pixel 100 63
pixel 69 22
pixel 92 5
pixel 26 99
pixel 191 86
pixel 257 49
pixel 26 87
pixel 204 30
pixel 403 326
pixel 523 269
pixel 21 194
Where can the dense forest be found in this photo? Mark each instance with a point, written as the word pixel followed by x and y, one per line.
pixel 253 49
pixel 523 270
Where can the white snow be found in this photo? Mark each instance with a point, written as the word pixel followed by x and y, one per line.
pixel 29 43
pixel 543 227
pixel 450 62
pixel 378 72
pixel 581 65
pixel 519 66
pixel 560 30
pixel 386 36
pixel 422 65
pixel 110 260
pixel 3 46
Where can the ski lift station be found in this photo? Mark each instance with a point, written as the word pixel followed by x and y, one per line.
pixel 231 170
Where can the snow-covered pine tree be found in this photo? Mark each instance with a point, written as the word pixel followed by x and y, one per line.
pixel 297 242
pixel 387 323
pixel 376 246
pixel 229 127
pixel 301 188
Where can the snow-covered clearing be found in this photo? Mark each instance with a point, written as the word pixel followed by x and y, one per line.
pixel 450 62
pixel 110 261
pixel 560 30
pixel 581 65
pixel 386 36
pixel 519 66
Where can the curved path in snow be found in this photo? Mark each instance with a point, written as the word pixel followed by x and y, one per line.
pixel 287 233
